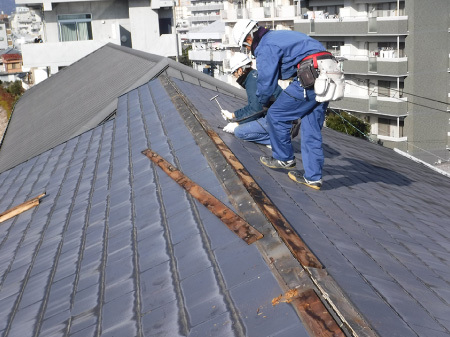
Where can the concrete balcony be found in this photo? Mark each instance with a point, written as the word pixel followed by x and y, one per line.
pixel 234 14
pixel 260 13
pixel 157 4
pixel 204 18
pixel 211 7
pixel 47 5
pixel 395 67
pixel 208 55
pixel 353 26
pixel 58 54
pixel 385 106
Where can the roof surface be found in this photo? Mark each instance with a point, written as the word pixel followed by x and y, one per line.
pixel 8 57
pixel 9 51
pixel 380 225
pixel 117 248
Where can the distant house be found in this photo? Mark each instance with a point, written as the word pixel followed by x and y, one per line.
pixel 11 66
pixel 12 63
pixel 74 29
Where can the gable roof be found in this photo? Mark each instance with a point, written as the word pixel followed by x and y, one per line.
pixel 130 252
pixel 78 98
pixel 9 57
pixel 9 51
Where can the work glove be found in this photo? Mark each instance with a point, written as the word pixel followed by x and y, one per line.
pixel 230 127
pixel 226 114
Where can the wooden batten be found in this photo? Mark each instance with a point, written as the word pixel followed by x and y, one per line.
pixel 12 212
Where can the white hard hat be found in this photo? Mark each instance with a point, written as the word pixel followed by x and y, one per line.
pixel 241 29
pixel 239 60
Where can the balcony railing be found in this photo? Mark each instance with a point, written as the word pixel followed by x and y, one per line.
pixel 210 7
pixel 347 26
pixel 260 13
pixel 378 105
pixel 375 65
pixel 208 55
pixel 204 18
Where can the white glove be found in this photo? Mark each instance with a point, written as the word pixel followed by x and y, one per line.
pixel 226 114
pixel 230 127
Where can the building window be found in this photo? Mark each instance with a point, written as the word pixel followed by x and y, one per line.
pixel 389 89
pixel 75 27
pixel 387 46
pixel 389 8
pixel 387 127
pixel 165 26
pixel 384 127
pixel 384 88
pixel 13 66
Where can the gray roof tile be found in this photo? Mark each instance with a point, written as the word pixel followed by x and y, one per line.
pixel 372 203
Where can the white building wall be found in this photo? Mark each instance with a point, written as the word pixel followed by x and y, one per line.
pixel 3 37
pixel 56 55
pixel 144 23
pixel 107 16
pixel 128 23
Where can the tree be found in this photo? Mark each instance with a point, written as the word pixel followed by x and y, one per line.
pixel 347 123
pixel 15 88
pixel 9 94
pixel 184 58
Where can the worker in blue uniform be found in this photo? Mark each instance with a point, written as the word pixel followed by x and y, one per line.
pixel 278 55
pixel 248 123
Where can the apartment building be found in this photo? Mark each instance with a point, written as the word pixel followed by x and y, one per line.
pixel 396 62
pixel 5 32
pixel 273 14
pixel 74 29
pixel 211 44
pixel 3 36
pixel 204 12
pixel 25 21
pixel 397 67
pixel 208 52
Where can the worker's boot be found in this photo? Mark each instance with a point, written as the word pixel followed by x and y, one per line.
pixel 299 178
pixel 277 164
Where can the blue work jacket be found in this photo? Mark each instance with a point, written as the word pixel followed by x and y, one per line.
pixel 277 56
pixel 253 110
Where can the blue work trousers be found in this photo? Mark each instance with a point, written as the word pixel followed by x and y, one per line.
pixel 291 105
pixel 254 131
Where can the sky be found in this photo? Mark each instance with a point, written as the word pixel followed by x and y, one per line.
pixel 7 6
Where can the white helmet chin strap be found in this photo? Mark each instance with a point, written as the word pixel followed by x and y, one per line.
pixel 253 31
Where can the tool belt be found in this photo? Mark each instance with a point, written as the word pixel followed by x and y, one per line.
pixel 307 69
pixel 322 72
